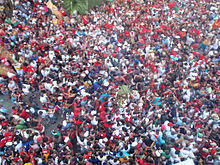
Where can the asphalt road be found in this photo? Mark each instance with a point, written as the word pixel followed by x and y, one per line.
pixel 7 104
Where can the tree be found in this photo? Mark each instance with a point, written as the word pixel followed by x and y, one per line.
pixel 79 5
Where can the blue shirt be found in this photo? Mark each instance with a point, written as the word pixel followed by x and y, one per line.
pixel 179 122
pixel 93 161
pixel 123 154
pixel 27 145
pixel 161 140
pixel 96 85
pixel 104 95
pixel 34 58
pixel 157 101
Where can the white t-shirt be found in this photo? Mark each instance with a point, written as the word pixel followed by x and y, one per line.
pixel 45 72
pixel 11 85
pixel 94 121
pixel 26 88
pixel 43 99
pixel 44 113
pixel 51 54
pixel 48 86
pixel 186 153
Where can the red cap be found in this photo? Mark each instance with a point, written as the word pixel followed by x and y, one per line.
pixel 114 54
pixel 170 124
pixel 16 159
pixel 85 98
pixel 10 138
pixel 61 41
pixel 7 134
pixel 213 151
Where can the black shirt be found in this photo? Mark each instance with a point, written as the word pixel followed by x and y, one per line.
pixel 148 141
pixel 183 131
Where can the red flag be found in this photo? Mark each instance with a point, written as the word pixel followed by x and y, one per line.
pixel 85 20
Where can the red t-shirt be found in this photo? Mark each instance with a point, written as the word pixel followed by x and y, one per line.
pixel 24 114
pixel 3 141
pixel 127 34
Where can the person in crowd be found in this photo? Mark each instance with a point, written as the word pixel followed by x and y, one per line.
pixel 132 82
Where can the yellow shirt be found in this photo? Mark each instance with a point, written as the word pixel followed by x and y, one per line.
pixel 124 160
pixel 28 164
pixel 55 21
pixel 46 157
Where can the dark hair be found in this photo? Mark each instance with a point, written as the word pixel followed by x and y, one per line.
pixel 177 152
pixel 108 157
pixel 121 153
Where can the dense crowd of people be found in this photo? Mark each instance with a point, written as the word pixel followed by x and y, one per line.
pixel 133 82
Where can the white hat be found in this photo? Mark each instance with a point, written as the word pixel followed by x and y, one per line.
pixel 106 83
pixel 132 105
pixel 203 66
pixel 205 150
pixel 146 120
pixel 158 154
pixel 93 112
pixel 105 140
pixel 83 75
pixel 199 139
pixel 213 144
pixel 100 140
pixel 86 134
pixel 66 139
pixel 135 92
pixel 213 8
pixel 18 132
pixel 112 68
pixel 8 144
pixel 116 132
pixel 140 104
pixel 175 49
pixel 64 123
pixel 152 54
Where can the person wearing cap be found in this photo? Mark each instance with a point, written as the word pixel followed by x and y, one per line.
pixel 164 53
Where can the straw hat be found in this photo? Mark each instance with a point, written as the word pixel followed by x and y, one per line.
pixel 158 154
pixel 215 116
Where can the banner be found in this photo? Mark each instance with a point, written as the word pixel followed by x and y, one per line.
pixel 54 9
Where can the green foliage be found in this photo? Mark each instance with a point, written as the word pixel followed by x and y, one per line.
pixel 81 6
pixel 78 5
pixel 93 3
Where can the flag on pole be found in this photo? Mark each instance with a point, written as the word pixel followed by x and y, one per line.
pixel 54 9
pixel 85 20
